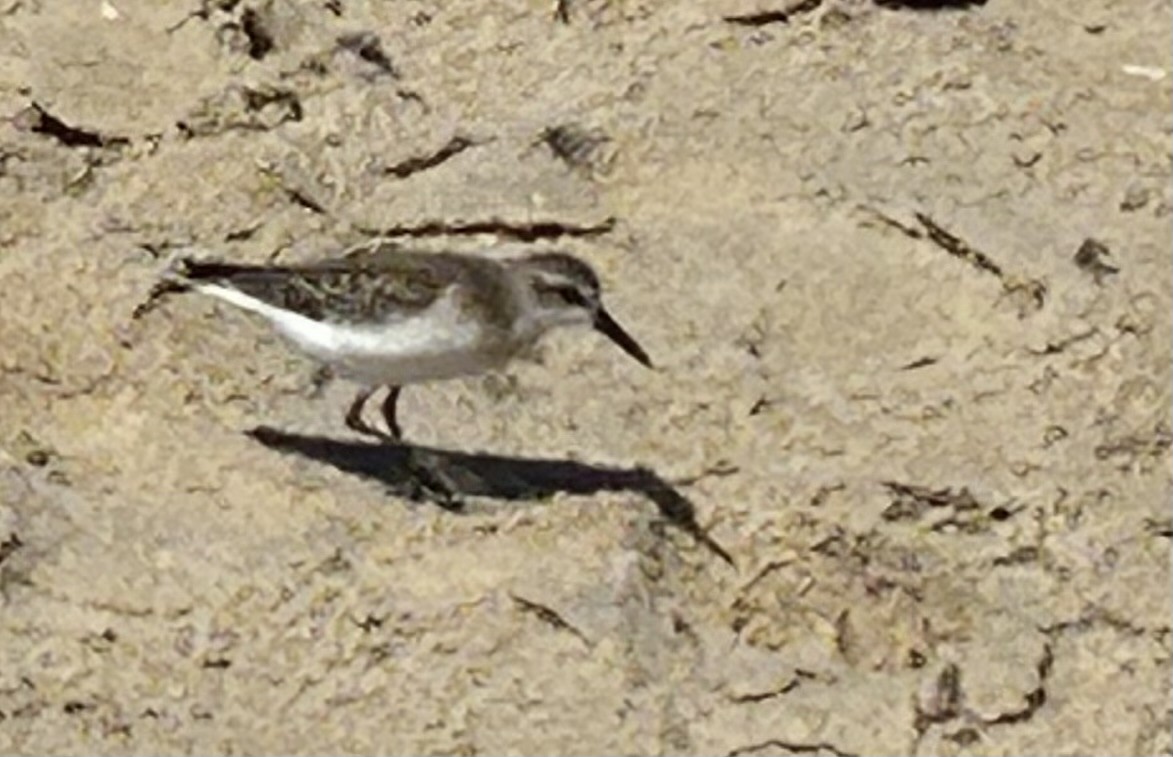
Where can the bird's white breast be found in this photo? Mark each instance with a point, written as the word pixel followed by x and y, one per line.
pixel 435 343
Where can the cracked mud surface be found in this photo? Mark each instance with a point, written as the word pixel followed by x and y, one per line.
pixel 905 273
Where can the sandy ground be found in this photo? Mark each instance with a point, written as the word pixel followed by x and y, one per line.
pixel 926 418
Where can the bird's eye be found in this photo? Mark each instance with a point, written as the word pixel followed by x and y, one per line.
pixel 573 296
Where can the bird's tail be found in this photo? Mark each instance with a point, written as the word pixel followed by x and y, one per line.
pixel 183 274
pixel 178 277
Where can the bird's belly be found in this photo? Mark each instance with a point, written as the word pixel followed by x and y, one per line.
pixel 410 368
pixel 414 350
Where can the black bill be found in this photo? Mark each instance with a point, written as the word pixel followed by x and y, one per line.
pixel 607 325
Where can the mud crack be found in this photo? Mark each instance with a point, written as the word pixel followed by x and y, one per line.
pixel 958 248
pixel 793 747
pixel 368 47
pixel 524 232
pixel 260 108
pixel 774 16
pixel 790 685
pixel 941 702
pixel 923 362
pixel 548 616
pixel 1035 698
pixel 1031 292
pixel 413 165
pixel 928 5
pixel 37 120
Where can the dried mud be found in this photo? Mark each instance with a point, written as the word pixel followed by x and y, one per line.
pixel 905 272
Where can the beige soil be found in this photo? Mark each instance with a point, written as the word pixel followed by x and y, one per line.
pixel 935 445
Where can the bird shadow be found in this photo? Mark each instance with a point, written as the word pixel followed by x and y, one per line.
pixel 443 477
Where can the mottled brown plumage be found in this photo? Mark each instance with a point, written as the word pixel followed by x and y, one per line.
pixel 372 285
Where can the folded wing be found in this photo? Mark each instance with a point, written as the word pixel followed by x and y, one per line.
pixel 356 289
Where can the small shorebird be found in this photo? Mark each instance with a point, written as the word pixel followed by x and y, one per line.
pixel 385 316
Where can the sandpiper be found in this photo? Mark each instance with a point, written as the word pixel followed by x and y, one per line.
pixel 381 315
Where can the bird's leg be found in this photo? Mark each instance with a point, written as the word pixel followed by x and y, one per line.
pixel 389 408
pixel 354 419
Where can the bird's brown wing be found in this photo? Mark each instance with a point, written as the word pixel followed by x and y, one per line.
pixel 375 286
